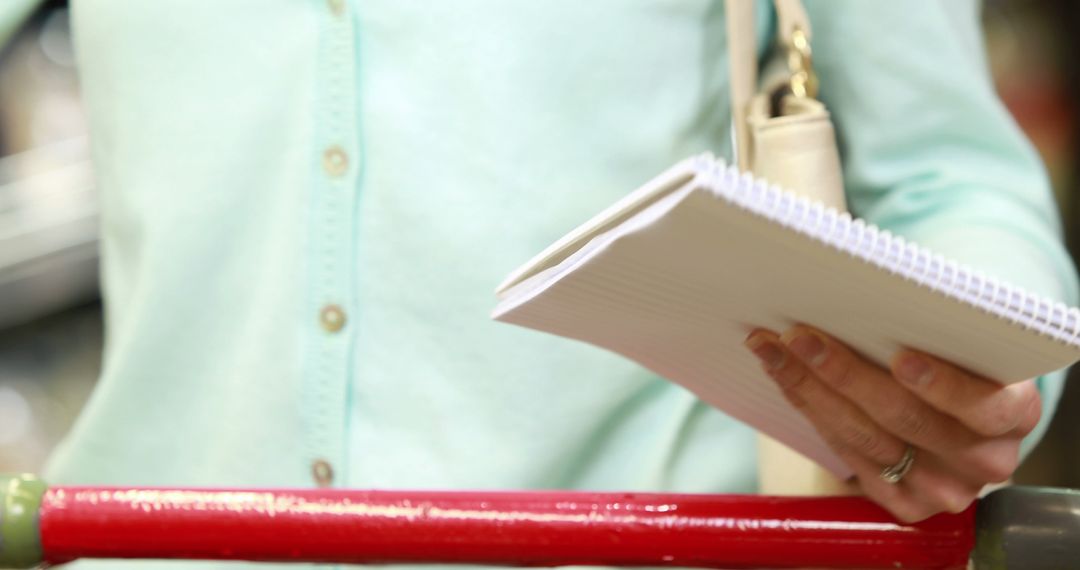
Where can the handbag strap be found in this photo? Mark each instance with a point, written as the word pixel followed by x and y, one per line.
pixel 793 30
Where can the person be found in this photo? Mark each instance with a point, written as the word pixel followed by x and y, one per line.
pixel 306 206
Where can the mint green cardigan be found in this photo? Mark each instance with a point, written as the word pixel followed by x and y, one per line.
pixel 262 160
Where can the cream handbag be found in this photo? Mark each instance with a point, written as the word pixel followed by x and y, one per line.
pixel 784 135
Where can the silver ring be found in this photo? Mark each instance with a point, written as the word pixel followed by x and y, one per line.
pixel 894 473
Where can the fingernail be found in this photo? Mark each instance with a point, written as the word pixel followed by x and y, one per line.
pixel 808 347
pixel 914 370
pixel 768 352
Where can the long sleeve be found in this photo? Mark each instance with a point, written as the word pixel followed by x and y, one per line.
pixel 931 153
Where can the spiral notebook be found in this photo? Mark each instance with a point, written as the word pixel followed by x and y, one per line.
pixel 676 274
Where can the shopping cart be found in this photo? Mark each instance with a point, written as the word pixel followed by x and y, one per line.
pixel 1018 528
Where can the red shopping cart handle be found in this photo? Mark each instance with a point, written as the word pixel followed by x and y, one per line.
pixel 1016 528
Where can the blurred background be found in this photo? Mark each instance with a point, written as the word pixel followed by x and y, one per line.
pixel 50 318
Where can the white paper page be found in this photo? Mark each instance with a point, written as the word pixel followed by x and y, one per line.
pixel 678 287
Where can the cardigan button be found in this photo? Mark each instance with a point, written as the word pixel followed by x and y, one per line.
pixel 332 318
pixel 335 161
pixel 322 472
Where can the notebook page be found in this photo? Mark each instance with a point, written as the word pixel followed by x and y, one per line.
pixel 678 288
pixel 672 178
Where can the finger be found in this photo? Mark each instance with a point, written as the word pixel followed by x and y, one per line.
pixel 823 408
pixel 926 490
pixel 984 406
pixel 840 423
pixel 894 498
pixel 900 412
pixel 936 487
pixel 972 459
pixel 874 390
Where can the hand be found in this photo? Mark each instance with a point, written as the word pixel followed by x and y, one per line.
pixel 965 430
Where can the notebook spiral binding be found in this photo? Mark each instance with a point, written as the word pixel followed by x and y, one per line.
pixel 890 252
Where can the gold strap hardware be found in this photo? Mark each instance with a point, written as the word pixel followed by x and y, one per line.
pixel 804 82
